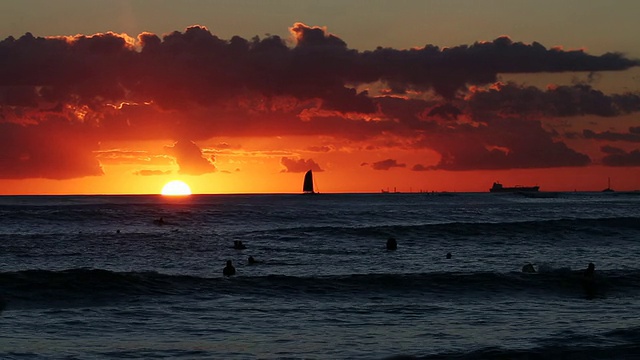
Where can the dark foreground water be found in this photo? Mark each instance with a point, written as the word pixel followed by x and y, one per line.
pixel 92 277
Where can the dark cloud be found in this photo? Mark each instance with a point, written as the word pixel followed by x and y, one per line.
pixel 511 99
pixel 632 136
pixel 189 158
pixel 299 165
pixel 445 111
pixel 501 144
pixel 448 70
pixel 88 90
pixel 198 67
pixel 618 157
pixel 612 150
pixel 419 167
pixel 387 164
pixel 86 70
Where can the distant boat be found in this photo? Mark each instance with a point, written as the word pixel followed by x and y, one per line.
pixel 608 189
pixel 389 192
pixel 497 187
pixel 307 186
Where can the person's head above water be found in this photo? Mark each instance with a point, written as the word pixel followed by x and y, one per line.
pixel 229 269
pixel 591 269
pixel 392 244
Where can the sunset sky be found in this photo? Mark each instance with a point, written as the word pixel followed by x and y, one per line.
pixel 121 97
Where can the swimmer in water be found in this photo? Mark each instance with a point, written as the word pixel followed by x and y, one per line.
pixel 229 269
pixel 392 244
pixel 590 271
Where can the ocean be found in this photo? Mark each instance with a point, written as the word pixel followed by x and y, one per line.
pixel 97 277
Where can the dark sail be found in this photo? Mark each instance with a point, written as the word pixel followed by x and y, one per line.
pixel 307 187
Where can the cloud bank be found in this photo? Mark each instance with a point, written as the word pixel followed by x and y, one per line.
pixel 61 97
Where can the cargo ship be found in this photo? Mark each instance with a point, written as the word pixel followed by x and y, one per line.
pixel 497 187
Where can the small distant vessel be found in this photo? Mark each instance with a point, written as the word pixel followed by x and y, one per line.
pixel 608 189
pixel 307 185
pixel 497 187
pixel 389 192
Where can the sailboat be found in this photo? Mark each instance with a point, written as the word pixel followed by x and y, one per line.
pixel 608 189
pixel 307 186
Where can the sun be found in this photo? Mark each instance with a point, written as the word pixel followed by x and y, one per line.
pixel 176 188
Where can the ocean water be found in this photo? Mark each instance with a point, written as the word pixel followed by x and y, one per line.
pixel 93 277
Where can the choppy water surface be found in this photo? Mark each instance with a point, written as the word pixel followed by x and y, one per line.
pixel 93 276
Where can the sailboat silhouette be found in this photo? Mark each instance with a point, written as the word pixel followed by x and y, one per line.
pixel 608 189
pixel 307 185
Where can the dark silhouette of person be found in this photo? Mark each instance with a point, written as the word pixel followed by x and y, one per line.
pixel 392 244
pixel 588 281
pixel 448 255
pixel 251 260
pixel 589 273
pixel 229 269
pixel 238 245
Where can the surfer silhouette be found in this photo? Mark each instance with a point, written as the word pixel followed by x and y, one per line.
pixel 238 245
pixel 448 255
pixel 229 269
pixel 251 260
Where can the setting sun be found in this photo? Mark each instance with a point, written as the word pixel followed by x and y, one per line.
pixel 176 188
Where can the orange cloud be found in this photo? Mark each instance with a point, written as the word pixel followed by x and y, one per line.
pixel 299 165
pixel 152 172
